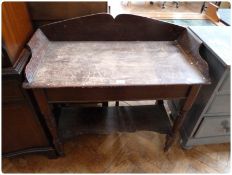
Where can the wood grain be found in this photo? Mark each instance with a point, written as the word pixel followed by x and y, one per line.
pixel 139 152
pixel 90 64
pixel 16 28
pixel 48 12
pixel 22 128
pixel 103 27
pixel 49 118
pixel 211 12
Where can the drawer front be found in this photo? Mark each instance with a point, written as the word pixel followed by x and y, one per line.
pixel 220 104
pixel 11 90
pixel 214 126
pixel 225 87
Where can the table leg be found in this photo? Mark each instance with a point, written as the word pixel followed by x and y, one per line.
pixel 49 119
pixel 171 138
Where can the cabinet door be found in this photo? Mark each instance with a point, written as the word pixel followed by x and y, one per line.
pixel 20 128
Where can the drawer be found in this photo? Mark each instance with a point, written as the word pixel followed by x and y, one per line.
pixel 214 126
pixel 225 87
pixel 11 90
pixel 220 104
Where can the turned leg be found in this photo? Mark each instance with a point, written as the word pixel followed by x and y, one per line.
pixel 49 119
pixel 171 138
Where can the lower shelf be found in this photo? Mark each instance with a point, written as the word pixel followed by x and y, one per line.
pixel 106 120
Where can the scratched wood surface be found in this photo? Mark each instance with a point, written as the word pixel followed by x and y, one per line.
pixel 99 50
pixel 75 64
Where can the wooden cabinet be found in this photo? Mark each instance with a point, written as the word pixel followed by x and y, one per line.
pixel 16 30
pixel 23 130
pixel 22 127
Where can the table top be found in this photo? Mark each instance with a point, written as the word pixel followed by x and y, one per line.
pixel 217 39
pixel 112 63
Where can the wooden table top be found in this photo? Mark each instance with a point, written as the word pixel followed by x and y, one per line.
pixel 98 50
pixel 112 63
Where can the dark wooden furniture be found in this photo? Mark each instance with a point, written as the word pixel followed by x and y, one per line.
pixel 16 30
pixel 208 122
pixel 22 128
pixel 22 131
pixel 42 13
pixel 75 121
pixel 98 58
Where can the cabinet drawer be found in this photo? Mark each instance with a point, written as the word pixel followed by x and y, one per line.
pixel 220 104
pixel 225 87
pixel 214 126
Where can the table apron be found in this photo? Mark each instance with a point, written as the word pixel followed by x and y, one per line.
pixel 95 94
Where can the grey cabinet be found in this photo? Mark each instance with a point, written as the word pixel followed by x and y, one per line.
pixel 219 105
pixel 214 126
pixel 208 121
